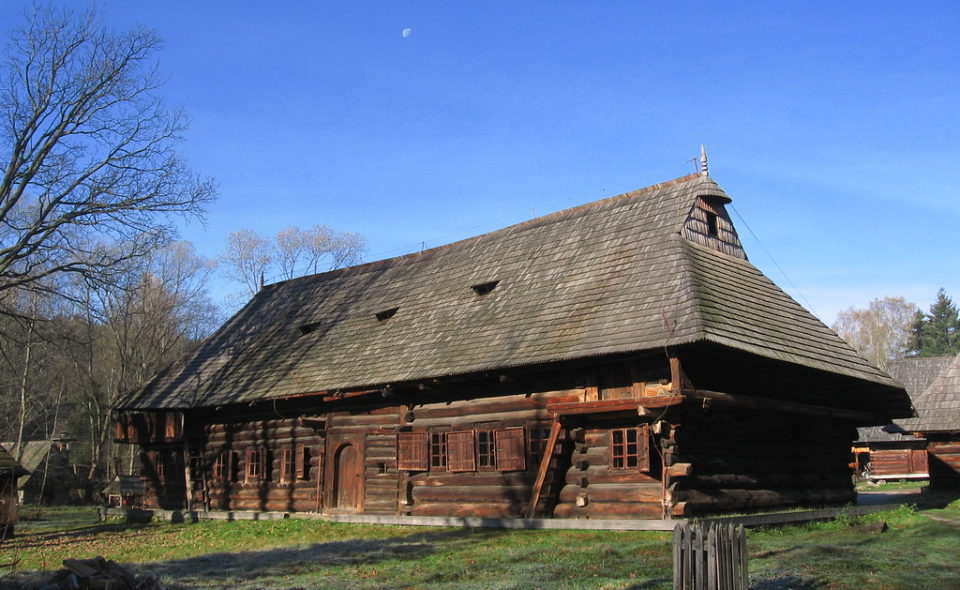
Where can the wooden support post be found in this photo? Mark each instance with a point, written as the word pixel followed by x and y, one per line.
pixel 187 480
pixel 678 379
pixel 544 466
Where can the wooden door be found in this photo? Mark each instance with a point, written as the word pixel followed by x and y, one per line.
pixel 347 479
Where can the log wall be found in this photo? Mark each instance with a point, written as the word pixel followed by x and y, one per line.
pixel 944 460
pixel 594 488
pixel 8 505
pixel 898 463
pixel 747 460
pixel 481 492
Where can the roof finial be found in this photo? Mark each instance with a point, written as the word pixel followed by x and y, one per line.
pixel 704 170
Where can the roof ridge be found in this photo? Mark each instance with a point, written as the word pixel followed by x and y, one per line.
pixel 554 217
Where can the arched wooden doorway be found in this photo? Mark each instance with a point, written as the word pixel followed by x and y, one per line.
pixel 347 493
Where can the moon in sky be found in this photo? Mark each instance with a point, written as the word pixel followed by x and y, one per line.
pixel 406 32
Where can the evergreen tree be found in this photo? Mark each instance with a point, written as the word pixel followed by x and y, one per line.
pixel 939 331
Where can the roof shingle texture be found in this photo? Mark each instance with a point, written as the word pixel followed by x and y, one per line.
pixel 613 276
pixel 938 405
pixel 9 465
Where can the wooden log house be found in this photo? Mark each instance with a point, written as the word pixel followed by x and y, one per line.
pixel 938 420
pixel 891 452
pixel 10 470
pixel 621 359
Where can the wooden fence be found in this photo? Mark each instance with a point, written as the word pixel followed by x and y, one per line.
pixel 709 556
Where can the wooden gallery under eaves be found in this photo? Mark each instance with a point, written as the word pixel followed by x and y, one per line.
pixel 621 359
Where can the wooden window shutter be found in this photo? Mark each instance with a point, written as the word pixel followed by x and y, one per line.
pixel 264 464
pixel 510 453
pixel 412 452
pixel 137 429
pixel 303 462
pixel 120 427
pixel 643 448
pixel 460 451
pixel 287 469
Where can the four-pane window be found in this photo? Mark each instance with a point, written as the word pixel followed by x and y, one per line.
pixel 629 448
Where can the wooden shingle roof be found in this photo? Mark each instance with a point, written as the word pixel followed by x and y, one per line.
pixel 9 465
pixel 614 276
pixel 938 406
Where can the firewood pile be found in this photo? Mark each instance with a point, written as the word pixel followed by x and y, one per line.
pixel 100 574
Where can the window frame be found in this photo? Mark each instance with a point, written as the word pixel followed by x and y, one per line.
pixel 256 466
pixel 437 451
pixel 220 468
pixel 620 452
pixel 486 451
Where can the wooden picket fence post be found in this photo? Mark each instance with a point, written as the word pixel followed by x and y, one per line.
pixel 709 556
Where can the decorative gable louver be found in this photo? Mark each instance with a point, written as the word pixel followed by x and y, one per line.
pixel 708 224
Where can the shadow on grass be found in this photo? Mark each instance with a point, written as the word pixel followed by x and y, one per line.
pixel 246 568
pixel 31 539
pixel 788 583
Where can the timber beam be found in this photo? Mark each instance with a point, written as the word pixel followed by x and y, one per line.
pixel 758 403
pixel 614 405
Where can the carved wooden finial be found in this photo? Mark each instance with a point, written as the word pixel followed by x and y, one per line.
pixel 704 170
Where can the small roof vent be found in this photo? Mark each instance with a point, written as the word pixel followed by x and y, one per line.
pixel 484 288
pixel 386 314
pixel 307 328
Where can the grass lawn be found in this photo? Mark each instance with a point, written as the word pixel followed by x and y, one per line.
pixel 916 552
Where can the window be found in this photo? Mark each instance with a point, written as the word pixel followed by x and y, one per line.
pixel 256 464
pixel 537 437
pixel 287 466
pixel 484 288
pixel 171 425
pixel 412 451
pixel 509 449
pixel 629 448
pixel 486 450
pixel 713 227
pixel 196 466
pixel 221 466
pixel 438 451
pixel 460 451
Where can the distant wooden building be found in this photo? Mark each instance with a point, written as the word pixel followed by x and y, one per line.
pixel 622 359
pixel 10 470
pixel 48 477
pixel 891 452
pixel 938 421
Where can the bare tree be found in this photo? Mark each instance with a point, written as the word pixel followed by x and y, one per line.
pixel 247 258
pixel 251 258
pixel 90 175
pixel 128 334
pixel 881 332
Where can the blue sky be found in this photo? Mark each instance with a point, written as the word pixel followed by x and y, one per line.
pixel 834 126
